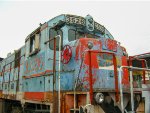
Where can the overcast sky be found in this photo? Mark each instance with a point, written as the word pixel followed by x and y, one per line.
pixel 128 22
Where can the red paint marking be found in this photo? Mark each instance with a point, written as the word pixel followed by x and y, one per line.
pixel 66 54
pixel 38 74
pixel 82 45
pixel 36 96
pixel 125 71
pixel 111 44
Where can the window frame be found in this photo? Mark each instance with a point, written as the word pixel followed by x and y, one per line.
pixel 32 41
pixel 31 38
pixel 51 42
pixel 69 33
pixel 94 35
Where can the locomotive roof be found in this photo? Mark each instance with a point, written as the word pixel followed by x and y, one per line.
pixel 63 18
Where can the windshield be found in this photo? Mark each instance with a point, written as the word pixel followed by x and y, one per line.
pixel 105 61
pixel 74 35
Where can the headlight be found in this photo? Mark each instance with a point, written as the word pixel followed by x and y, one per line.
pixel 90 45
pixel 99 98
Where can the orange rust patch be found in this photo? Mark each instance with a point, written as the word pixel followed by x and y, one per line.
pixel 35 96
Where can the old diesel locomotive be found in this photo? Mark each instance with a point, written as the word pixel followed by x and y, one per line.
pixel 67 65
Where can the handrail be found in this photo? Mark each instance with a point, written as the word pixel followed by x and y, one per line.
pixel 143 61
pixel 59 70
pixel 115 73
pixel 131 83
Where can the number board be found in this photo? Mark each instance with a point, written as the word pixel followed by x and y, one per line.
pixel 99 27
pixel 78 20
pixel 72 19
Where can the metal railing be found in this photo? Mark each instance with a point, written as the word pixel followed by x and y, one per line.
pixel 131 85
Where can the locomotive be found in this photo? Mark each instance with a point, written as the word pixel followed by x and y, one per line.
pixel 67 65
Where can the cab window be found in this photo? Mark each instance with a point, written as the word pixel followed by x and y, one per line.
pixel 34 44
pixel 74 35
pixel 52 34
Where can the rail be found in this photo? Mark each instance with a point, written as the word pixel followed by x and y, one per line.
pixel 115 73
pixel 131 84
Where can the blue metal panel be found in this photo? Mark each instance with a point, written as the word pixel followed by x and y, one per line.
pixel 49 83
pixel 105 79
pixel 12 87
pixel 35 84
pixel 67 81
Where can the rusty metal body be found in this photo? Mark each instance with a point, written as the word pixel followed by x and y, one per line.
pixel 89 68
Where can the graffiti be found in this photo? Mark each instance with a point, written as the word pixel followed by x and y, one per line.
pixel 34 65
pixel 86 78
pixel 111 44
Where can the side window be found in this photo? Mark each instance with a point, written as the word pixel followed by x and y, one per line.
pixel 54 33
pixel 105 61
pixel 34 44
pixel 71 35
pixel 17 58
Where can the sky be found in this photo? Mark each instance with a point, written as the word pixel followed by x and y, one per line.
pixel 128 21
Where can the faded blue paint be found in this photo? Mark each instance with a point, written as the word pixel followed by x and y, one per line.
pixel 34 84
pixel 34 65
pixel 67 81
pixel 105 79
